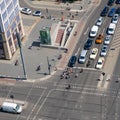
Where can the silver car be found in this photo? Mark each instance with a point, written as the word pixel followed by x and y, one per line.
pixel 115 18
pixel 99 21
pixel 104 50
pixel 26 11
pixel 107 39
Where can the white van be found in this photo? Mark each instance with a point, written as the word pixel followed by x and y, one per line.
pixel 82 57
pixel 11 107
pixel 111 29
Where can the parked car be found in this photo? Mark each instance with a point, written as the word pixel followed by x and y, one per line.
pixel 115 18
pixel 72 61
pixel 104 50
pixel 26 11
pixel 112 12
pixel 111 29
pixel 118 11
pixel 117 2
pixel 107 39
pixel 99 39
pixel 93 31
pixel 99 21
pixel 100 63
pixel 37 13
pixel 88 44
pixel 111 2
pixel 94 53
pixel 104 11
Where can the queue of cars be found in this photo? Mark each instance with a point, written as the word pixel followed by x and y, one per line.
pixel 114 13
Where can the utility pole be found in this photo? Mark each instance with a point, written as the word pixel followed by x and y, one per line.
pixel 49 66
pixel 22 59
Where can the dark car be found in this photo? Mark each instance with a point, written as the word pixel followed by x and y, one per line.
pixel 111 2
pixel 105 11
pixel 112 12
pixel 117 2
pixel 72 61
pixel 118 11
pixel 88 44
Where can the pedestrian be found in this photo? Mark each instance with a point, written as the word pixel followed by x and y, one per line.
pixel 38 68
pixel 16 62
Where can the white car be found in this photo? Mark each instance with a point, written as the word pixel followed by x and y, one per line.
pixel 94 53
pixel 26 11
pixel 37 13
pixel 104 50
pixel 107 39
pixel 99 21
pixel 100 63
pixel 111 29
pixel 93 31
pixel 115 18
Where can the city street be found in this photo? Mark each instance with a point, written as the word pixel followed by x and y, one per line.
pixel 78 93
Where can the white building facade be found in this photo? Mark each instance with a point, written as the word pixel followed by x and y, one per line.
pixel 10 23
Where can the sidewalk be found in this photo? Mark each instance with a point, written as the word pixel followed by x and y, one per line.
pixel 61 6
pixel 41 58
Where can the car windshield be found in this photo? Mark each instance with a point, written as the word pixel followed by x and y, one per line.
pixel 37 12
pixel 99 62
pixel 93 53
pixel 110 29
pixel 107 39
pixel 93 32
pixel 99 20
pixel 81 57
pixel 17 107
pixel 103 50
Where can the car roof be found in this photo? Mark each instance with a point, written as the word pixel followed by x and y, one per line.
pixel 112 25
pixel 94 28
pixel 112 9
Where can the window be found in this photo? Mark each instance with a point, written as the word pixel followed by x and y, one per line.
pixel 1 37
pixel 7 1
pixel 11 17
pixel 16 10
pixel 8 33
pixel 6 25
pixel 14 2
pixel 18 18
pixel 4 15
pixel 10 8
pixel 2 6
pixel 13 25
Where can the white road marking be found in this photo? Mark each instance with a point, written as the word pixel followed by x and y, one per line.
pixel 86 68
pixel 86 31
pixel 35 107
pixel 103 30
pixel 77 51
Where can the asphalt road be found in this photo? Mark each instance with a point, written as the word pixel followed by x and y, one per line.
pixel 50 100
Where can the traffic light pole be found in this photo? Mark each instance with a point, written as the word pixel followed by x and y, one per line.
pixel 22 59
pixel 49 66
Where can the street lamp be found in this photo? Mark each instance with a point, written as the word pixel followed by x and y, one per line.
pixel 19 44
pixel 49 66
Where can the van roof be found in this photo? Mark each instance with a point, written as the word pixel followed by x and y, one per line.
pixel 9 104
